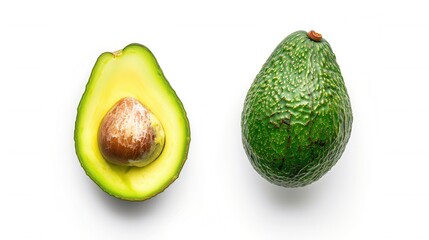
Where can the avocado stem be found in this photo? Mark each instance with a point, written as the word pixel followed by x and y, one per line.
pixel 315 36
pixel 117 53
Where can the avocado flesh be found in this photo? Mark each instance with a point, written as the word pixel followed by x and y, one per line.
pixel 132 72
pixel 297 116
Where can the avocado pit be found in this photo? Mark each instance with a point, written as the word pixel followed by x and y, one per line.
pixel 130 135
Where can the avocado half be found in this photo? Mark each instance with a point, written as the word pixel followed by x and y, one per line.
pixel 131 72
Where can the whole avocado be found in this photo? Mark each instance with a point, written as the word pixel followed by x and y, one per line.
pixel 297 117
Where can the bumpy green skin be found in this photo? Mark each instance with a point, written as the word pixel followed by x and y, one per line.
pixel 297 117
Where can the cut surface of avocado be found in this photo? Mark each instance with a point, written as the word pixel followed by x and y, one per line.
pixel 131 73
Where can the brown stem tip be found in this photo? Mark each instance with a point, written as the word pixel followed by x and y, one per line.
pixel 314 36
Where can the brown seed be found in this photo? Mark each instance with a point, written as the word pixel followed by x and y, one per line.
pixel 126 136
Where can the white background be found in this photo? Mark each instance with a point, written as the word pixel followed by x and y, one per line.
pixel 211 52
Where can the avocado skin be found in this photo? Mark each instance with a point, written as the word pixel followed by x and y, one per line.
pixel 297 117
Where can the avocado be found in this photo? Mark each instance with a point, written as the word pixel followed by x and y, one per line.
pixel 297 117
pixel 131 134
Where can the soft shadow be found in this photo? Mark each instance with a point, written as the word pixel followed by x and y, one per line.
pixel 129 209
pixel 301 197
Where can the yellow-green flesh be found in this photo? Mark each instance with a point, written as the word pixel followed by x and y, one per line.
pixel 132 72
